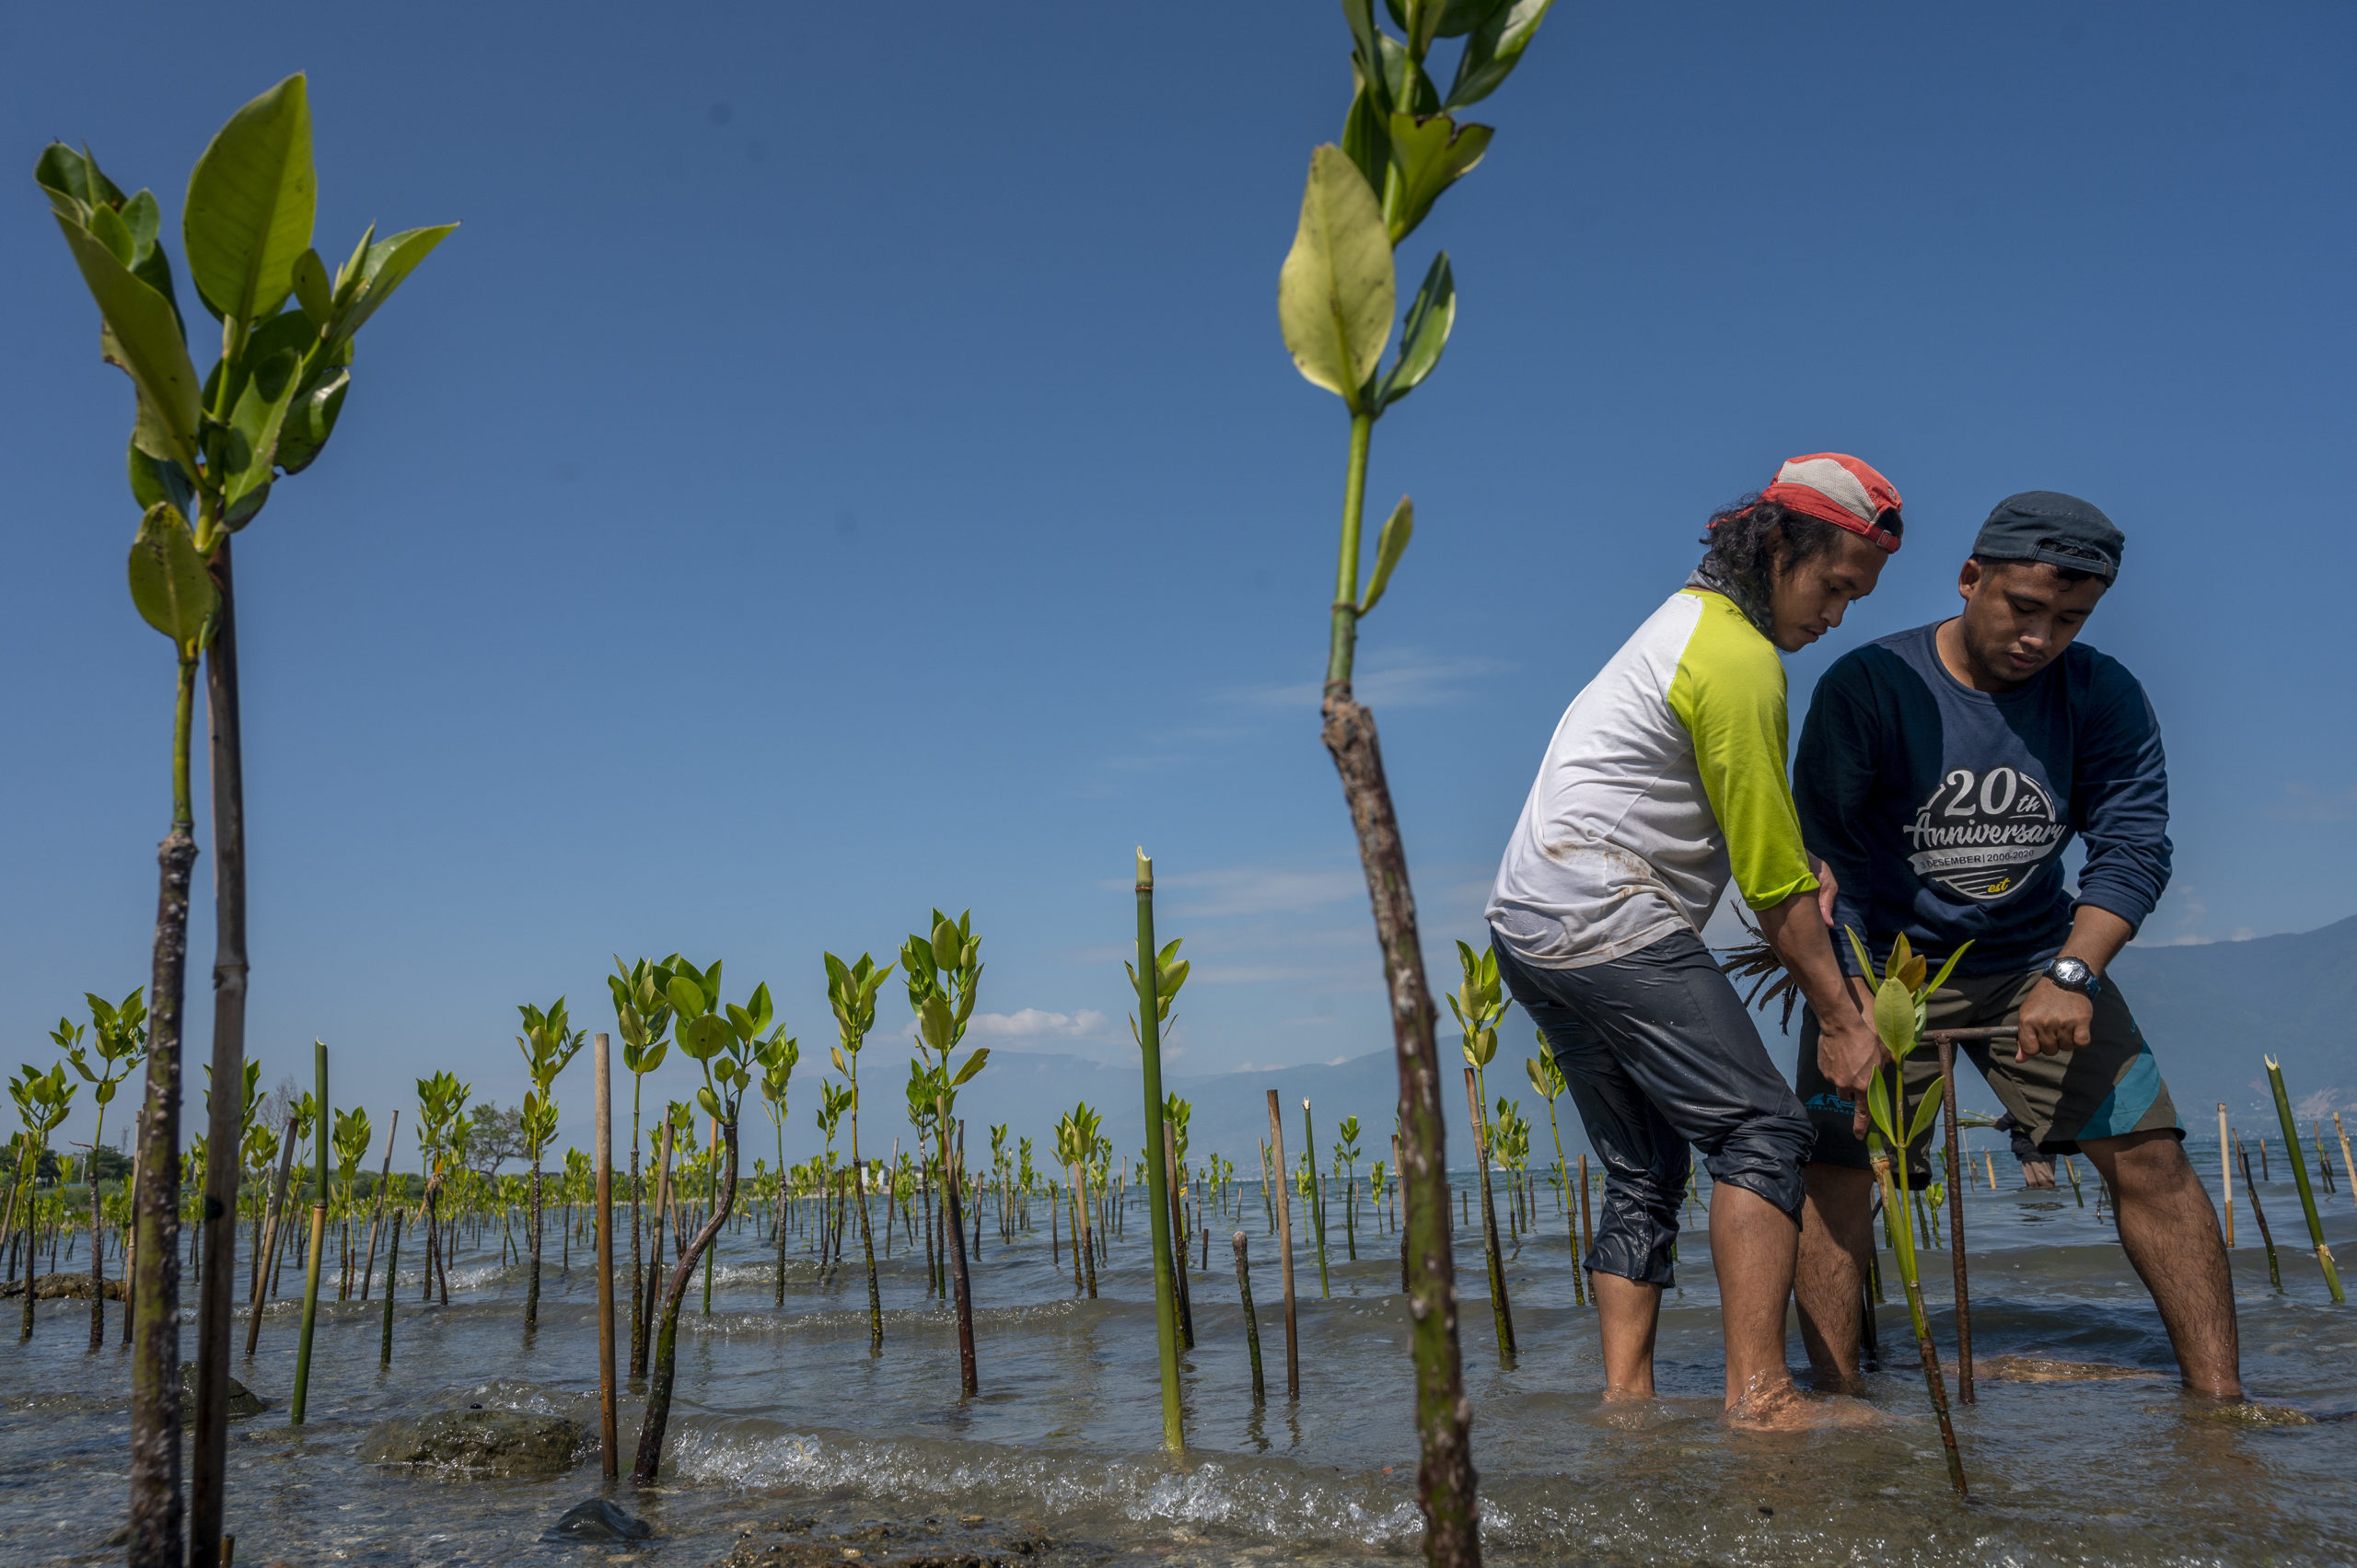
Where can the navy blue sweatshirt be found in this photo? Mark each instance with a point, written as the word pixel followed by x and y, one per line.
pixel 1944 811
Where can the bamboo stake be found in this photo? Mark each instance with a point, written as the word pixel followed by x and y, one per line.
pixel 2275 1270
pixel 1956 1224
pixel 392 1261
pixel 1501 1312
pixel 2300 1181
pixel 1165 1290
pixel 2346 1168
pixel 318 1245
pixel 609 1441
pixel 1178 1237
pixel 2226 1173
pixel 1251 1321
pixel 1285 1251
pixel 265 1259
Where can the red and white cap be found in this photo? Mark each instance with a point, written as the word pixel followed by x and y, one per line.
pixel 1840 490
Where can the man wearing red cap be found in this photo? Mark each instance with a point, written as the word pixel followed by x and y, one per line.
pixel 1665 779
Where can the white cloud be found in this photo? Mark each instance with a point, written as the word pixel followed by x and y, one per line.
pixel 1034 1023
pixel 1410 679
pixel 2304 803
pixel 1262 889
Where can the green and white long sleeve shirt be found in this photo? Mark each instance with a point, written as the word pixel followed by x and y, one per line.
pixel 1665 777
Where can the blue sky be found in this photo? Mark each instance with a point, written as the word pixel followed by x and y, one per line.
pixel 846 466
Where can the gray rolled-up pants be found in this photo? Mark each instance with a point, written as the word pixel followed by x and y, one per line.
pixel 1659 1052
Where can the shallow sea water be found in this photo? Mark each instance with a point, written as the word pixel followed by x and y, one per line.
pixel 783 1414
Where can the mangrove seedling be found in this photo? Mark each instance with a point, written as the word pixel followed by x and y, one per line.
pixel 1901 998
pixel 119 1034
pixel 1479 1003
pixel 776 1057
pixel 210 450
pixel 941 971
pixel 42 1102
pixel 721 1043
pixel 641 1015
pixel 1401 148
pixel 549 1044
pixel 850 993
pixel 1546 1076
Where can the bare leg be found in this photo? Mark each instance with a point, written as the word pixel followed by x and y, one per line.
pixel 1752 1249
pixel 2171 1235
pixel 1837 1231
pixel 1629 1313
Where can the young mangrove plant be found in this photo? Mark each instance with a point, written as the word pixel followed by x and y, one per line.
pixel 1402 146
pixel 941 971
pixel 2300 1180
pixel 775 1056
pixel 352 1138
pixel 549 1044
pixel 1154 979
pixel 119 1034
pixel 721 1043
pixel 210 450
pixel 43 1099
pixel 642 1015
pixel 1346 1166
pixel 1901 998
pixel 851 992
pixel 1546 1076
pixel 1479 1003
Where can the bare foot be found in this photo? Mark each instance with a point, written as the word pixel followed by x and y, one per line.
pixel 1781 1407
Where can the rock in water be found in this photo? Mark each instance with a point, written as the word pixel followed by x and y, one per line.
pixel 598 1520
pixel 243 1402
pixel 62 1287
pixel 493 1442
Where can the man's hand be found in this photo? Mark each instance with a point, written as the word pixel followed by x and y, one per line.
pixel 1828 888
pixel 2053 1021
pixel 1849 1054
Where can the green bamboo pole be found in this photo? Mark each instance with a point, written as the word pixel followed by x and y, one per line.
pixel 1314 1200
pixel 1165 1299
pixel 2300 1180
pixel 319 1244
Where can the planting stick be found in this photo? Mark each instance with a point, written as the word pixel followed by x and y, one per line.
pixel 1501 1313
pixel 1285 1251
pixel 1933 1382
pixel 1956 1225
pixel 2300 1180
pixel 2072 1172
pixel 1178 1237
pixel 2226 1173
pixel 663 1141
pixel 1165 1291
pixel 2274 1270
pixel 2324 1160
pixel 610 1442
pixel 1314 1200
pixel 265 1259
pixel 392 1262
pixel 1251 1322
pixel 2346 1170
pixel 1587 1233
pixel 369 1268
pixel 1403 1229
pixel 319 1245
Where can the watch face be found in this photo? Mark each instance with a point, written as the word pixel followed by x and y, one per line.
pixel 2071 971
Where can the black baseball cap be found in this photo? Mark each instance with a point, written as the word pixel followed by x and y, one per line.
pixel 2046 525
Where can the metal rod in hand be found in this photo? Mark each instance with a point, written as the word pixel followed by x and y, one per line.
pixel 1284 1248
pixel 609 1441
pixel 1956 1225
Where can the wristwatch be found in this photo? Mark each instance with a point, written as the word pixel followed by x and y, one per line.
pixel 2072 974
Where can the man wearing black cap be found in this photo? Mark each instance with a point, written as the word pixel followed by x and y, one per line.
pixel 1940 774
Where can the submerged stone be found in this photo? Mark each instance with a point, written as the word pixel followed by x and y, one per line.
pixel 484 1442
pixel 598 1520
pixel 61 1287
pixel 2048 1369
pixel 243 1402
pixel 926 1543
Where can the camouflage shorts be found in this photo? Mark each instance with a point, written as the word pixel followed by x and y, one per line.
pixel 2105 1090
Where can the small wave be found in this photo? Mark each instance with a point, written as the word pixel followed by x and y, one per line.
pixel 1270 1500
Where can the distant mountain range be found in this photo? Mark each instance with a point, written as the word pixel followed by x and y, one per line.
pixel 2211 1012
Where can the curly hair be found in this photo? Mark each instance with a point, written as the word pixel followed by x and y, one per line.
pixel 1744 539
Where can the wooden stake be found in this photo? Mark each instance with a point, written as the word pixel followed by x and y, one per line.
pixel 2227 1172
pixel 1284 1248
pixel 609 1441
pixel 1956 1225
